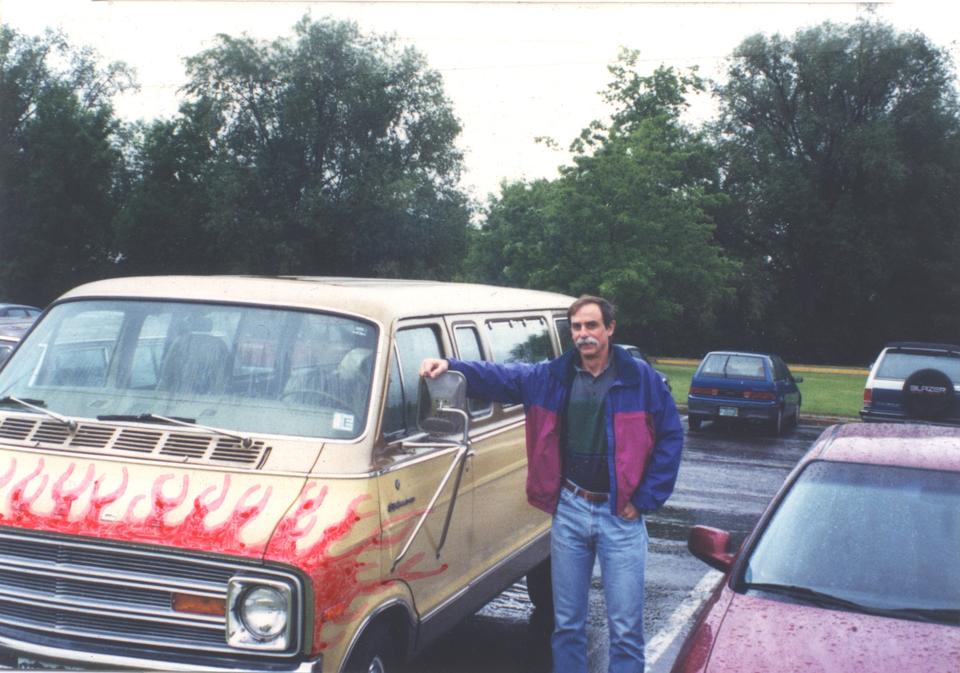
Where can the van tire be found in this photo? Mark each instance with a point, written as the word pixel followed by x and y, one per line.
pixel 539 586
pixel 377 651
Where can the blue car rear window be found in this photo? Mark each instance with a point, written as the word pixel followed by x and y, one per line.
pixel 733 366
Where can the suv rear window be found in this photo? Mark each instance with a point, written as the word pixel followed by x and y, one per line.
pixel 900 365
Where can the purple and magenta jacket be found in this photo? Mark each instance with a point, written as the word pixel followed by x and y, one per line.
pixel 644 434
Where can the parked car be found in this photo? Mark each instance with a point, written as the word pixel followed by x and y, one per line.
pixel 748 386
pixel 234 473
pixel 852 567
pixel 914 381
pixel 640 355
pixel 19 311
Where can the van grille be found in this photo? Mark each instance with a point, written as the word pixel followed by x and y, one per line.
pixel 179 445
pixel 87 595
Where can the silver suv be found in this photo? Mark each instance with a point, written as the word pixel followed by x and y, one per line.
pixel 914 381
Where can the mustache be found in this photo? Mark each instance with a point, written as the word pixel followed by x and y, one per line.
pixel 587 341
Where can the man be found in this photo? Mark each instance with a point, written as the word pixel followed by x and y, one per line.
pixel 603 447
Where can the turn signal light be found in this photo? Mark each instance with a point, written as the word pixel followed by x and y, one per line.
pixel 198 605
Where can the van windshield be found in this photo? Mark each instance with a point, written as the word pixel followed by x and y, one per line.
pixel 250 369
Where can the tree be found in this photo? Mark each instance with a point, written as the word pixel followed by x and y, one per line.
pixel 61 166
pixel 332 152
pixel 629 219
pixel 841 158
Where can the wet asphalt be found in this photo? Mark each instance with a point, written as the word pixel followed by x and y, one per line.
pixel 728 475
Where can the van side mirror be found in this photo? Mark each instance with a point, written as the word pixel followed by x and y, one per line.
pixel 442 404
pixel 798 379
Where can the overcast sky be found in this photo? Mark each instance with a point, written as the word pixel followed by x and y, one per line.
pixel 513 70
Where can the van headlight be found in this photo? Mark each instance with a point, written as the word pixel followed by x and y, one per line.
pixel 259 614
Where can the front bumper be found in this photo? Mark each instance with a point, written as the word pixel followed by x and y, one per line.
pixel 47 654
pixel 873 416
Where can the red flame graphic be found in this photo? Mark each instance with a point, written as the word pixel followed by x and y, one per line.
pixel 338 578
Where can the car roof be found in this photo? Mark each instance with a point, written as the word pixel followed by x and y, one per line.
pixel 381 299
pixel 34 308
pixel 750 353
pixel 922 345
pixel 913 445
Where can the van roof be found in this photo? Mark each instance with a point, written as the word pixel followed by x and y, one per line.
pixel 382 299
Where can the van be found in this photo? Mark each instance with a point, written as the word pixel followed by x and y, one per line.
pixel 237 473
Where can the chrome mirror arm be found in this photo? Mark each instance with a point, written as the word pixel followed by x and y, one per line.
pixel 459 460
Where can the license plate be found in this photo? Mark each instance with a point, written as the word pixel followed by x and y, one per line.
pixel 728 411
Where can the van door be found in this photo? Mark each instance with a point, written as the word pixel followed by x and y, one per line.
pixel 415 469
pixel 504 521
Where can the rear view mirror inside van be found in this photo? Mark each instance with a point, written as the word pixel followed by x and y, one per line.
pixel 442 404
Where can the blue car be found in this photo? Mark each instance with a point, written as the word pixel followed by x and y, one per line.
pixel 748 386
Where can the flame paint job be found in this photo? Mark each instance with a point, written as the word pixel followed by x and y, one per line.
pixel 329 530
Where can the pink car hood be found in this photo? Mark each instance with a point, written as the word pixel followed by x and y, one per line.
pixel 765 636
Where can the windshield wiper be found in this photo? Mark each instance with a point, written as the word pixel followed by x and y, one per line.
pixel 38 406
pixel 809 595
pixel 245 441
pixel 936 615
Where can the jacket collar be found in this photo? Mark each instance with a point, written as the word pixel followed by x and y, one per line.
pixel 628 370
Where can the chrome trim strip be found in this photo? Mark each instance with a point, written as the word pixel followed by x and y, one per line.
pixel 188 619
pixel 118 578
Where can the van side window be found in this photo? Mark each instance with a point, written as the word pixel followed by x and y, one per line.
pixel 411 346
pixel 468 346
pixel 519 340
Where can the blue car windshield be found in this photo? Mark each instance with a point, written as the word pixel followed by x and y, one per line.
pixel 732 366
pixel 879 536
pixel 241 368
pixel 900 365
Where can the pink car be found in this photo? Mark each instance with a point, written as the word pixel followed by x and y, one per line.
pixel 854 566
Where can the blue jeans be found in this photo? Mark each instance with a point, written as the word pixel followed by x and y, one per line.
pixel 581 530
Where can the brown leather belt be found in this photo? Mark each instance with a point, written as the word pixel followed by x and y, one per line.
pixel 589 496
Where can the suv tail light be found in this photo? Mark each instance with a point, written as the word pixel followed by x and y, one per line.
pixel 867 396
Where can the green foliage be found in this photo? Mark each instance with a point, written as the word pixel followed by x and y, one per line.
pixel 630 219
pixel 331 152
pixel 61 169
pixel 841 157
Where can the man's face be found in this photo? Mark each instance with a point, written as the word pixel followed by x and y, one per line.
pixel 590 335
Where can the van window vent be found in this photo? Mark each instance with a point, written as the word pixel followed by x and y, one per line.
pixel 187 446
pixel 230 450
pixel 137 440
pixel 16 428
pixel 92 436
pixel 51 432
pixel 110 439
